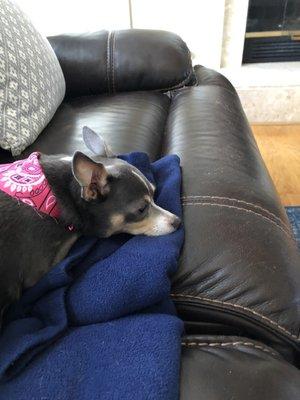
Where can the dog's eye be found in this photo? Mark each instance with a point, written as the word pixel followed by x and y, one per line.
pixel 142 209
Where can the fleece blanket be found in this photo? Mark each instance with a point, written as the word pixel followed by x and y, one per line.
pixel 100 324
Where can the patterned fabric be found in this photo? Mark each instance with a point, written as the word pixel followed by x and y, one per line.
pixel 25 181
pixel 31 81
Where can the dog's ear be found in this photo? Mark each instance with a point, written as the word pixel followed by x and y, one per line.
pixel 96 143
pixel 91 176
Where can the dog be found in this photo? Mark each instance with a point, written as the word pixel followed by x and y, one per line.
pixel 99 197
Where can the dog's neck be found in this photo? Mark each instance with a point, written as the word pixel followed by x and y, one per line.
pixel 59 174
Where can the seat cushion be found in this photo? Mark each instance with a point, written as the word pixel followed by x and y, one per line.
pixel 128 121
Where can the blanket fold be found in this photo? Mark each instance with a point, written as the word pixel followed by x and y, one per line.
pixel 100 325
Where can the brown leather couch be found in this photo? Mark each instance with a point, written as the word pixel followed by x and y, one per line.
pixel 238 284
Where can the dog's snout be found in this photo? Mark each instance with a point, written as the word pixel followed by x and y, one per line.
pixel 176 222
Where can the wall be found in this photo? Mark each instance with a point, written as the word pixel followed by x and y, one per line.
pixel 213 29
pixel 199 22
pixel 52 17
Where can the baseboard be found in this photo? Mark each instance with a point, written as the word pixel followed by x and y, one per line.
pixel 271 105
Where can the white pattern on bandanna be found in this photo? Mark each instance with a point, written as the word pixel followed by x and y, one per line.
pixel 25 181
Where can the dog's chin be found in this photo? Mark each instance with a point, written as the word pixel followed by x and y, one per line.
pixel 135 232
pixel 157 232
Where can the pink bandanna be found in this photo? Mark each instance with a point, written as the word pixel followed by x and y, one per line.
pixel 25 181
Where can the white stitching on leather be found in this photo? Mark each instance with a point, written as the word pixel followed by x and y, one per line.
pixel 226 303
pixel 241 209
pixel 228 344
pixel 238 201
pixel 108 61
pixel 113 61
pixel 178 85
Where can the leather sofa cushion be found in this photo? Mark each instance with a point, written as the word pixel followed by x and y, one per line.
pixel 117 61
pixel 219 367
pixel 128 121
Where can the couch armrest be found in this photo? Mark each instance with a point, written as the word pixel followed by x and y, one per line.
pixel 208 77
pixel 117 61
pixel 240 263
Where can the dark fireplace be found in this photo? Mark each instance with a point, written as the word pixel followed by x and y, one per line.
pixel 273 31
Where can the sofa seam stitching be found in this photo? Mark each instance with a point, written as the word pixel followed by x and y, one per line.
pixel 241 209
pixel 238 201
pixel 228 344
pixel 239 307
pixel 108 61
pixel 113 61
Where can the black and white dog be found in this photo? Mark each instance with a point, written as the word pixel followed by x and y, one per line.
pixel 98 197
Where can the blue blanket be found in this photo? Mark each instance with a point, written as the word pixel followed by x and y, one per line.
pixel 100 325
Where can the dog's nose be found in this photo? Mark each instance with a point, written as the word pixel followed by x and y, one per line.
pixel 176 222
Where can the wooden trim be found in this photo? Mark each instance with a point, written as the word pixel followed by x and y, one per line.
pixel 250 35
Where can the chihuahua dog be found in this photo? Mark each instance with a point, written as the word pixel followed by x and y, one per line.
pixel 100 197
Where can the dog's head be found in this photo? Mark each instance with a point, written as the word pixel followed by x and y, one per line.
pixel 117 196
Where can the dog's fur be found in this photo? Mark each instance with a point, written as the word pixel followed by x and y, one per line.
pixel 98 197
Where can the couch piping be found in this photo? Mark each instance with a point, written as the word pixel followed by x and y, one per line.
pixel 226 303
pixel 229 344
